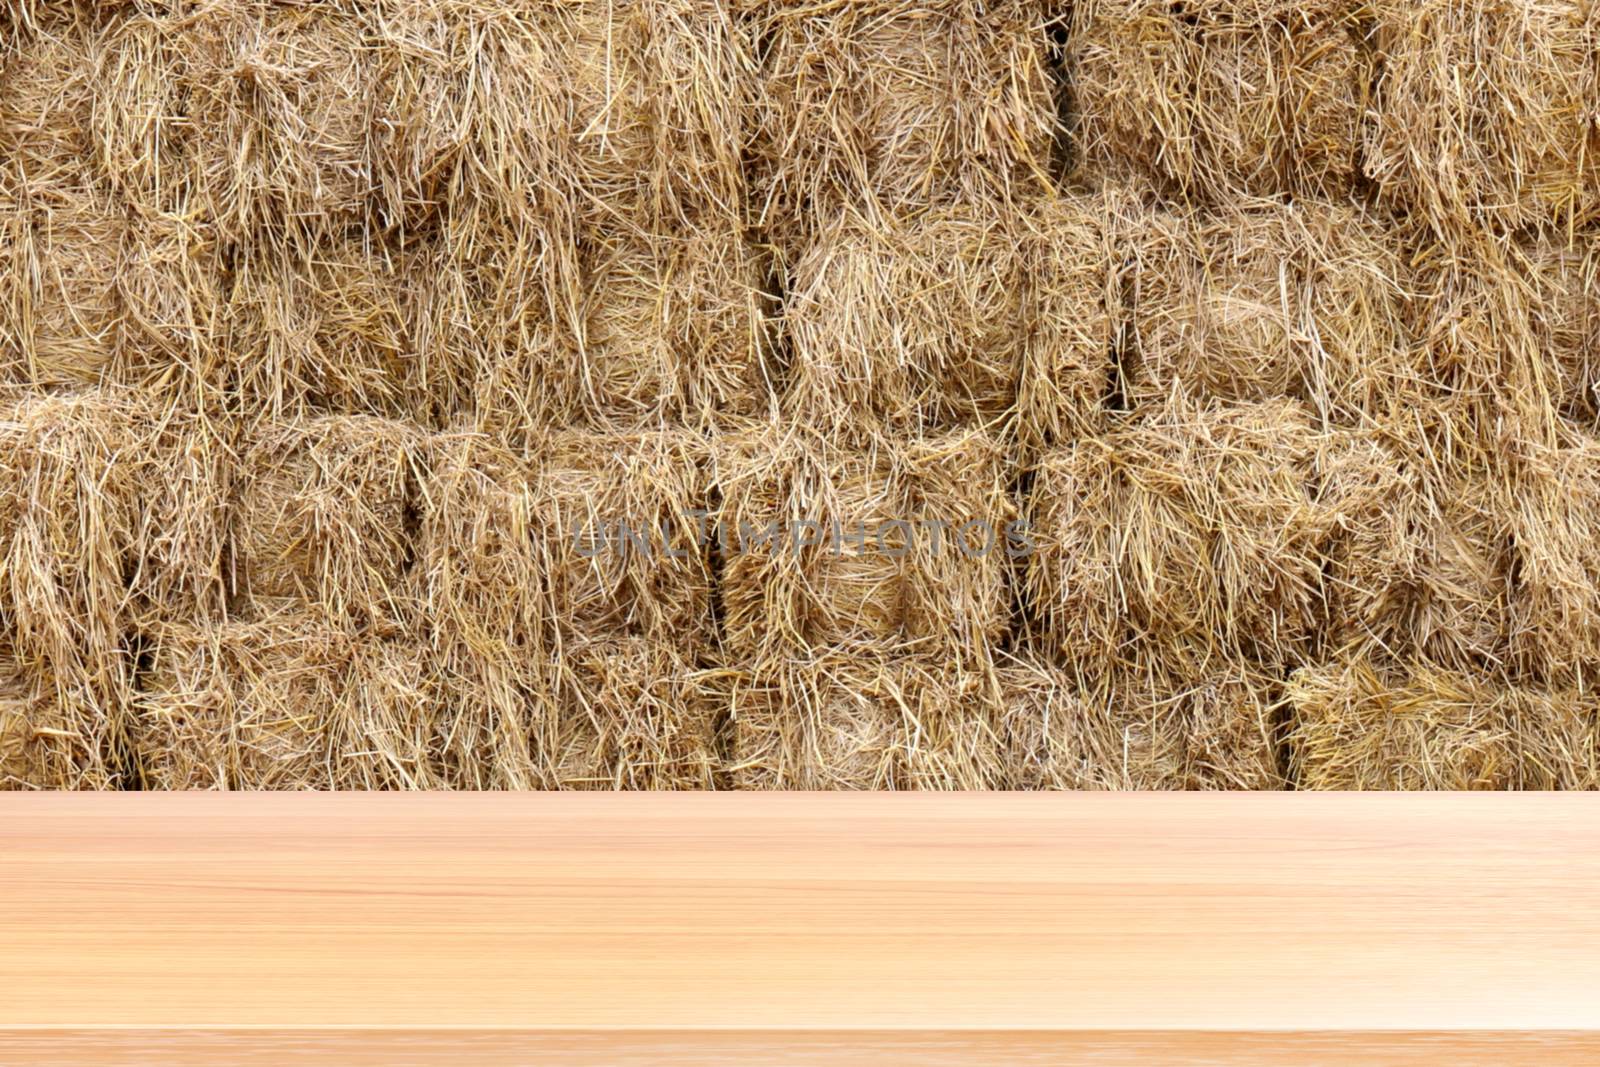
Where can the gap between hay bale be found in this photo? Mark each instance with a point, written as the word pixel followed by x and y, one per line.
pixel 901 105
pixel 1357 725
pixel 286 701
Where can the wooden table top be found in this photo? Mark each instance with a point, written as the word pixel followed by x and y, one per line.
pixel 709 928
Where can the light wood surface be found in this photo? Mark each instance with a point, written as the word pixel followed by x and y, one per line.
pixel 928 928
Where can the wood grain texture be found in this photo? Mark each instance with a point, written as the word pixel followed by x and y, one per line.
pixel 128 921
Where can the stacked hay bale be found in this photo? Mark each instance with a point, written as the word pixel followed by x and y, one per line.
pixel 1357 726
pixel 865 597
pixel 569 599
pixel 1262 300
pixel 1222 98
pixel 107 519
pixel 1485 113
pixel 285 700
pixel 677 394
pixel 891 107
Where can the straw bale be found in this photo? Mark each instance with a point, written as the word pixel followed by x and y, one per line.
pixel 1375 500
pixel 59 274
pixel 855 719
pixel 471 113
pixel 957 591
pixel 1358 725
pixel 662 107
pixel 277 95
pixel 1192 522
pixel 480 584
pixel 48 743
pixel 1161 719
pixel 75 473
pixel 1267 300
pixel 1279 96
pixel 1132 64
pixel 1485 112
pixel 171 325
pixel 886 563
pixel 674 331
pixel 1418 555
pixel 903 105
pixel 598 581
pixel 320 329
pixel 1475 323
pixel 494 320
pixel 137 116
pixel 285 701
pixel 1222 97
pixel 906 326
pixel 1556 533
pixel 88 295
pixel 45 96
pixel 323 511
pixel 635 713
pixel 1566 279
pixel 1073 312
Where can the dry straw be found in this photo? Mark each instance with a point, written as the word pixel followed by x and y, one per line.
pixel 1485 113
pixel 1356 725
pixel 1222 97
pixel 1074 318
pixel 320 332
pixel 1161 717
pixel 673 330
pixel 1262 300
pixel 1557 545
pixel 45 743
pixel 870 549
pixel 907 324
pixel 634 714
pixel 1193 523
pixel 286 701
pixel 479 579
pixel 109 518
pixel 651 579
pixel 1566 277
pixel 863 720
pixel 323 511
pixel 900 104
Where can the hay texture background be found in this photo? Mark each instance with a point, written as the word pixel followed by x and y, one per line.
pixel 337 339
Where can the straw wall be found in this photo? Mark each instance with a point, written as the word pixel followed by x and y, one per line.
pixel 688 394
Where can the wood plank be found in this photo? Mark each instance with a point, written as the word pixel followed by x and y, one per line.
pixel 539 914
pixel 745 1048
